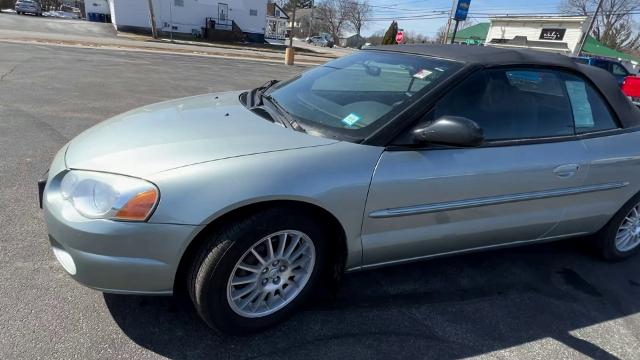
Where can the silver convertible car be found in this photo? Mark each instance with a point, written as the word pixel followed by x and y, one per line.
pixel 251 201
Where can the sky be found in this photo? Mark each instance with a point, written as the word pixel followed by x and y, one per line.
pixel 426 16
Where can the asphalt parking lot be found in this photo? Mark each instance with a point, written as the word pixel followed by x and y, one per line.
pixel 546 301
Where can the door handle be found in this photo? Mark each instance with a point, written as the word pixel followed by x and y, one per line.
pixel 566 171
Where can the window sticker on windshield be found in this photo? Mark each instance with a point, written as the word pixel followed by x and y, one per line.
pixel 351 119
pixel 580 104
pixel 421 74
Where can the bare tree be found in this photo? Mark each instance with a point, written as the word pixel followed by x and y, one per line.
pixel 358 14
pixel 441 34
pixel 614 26
pixel 413 37
pixel 376 37
pixel 467 23
pixel 50 4
pixel 334 13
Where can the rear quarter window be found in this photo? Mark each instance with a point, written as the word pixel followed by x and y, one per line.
pixel 590 111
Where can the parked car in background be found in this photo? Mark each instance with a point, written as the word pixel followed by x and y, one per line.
pixel 28 7
pixel 321 41
pixel 252 200
pixel 616 68
pixel 631 88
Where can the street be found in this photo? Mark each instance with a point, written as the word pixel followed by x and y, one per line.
pixel 554 300
pixel 24 29
pixel 26 23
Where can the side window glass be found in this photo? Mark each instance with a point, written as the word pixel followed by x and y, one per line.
pixel 512 104
pixel 590 111
pixel 601 65
pixel 616 69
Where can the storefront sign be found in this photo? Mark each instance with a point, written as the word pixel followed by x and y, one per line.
pixel 552 34
pixel 462 10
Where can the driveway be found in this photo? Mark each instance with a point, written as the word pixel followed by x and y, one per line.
pixel 540 302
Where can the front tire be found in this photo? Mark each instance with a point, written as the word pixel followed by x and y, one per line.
pixel 256 272
pixel 620 238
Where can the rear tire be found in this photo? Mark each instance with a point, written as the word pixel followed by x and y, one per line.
pixel 620 238
pixel 275 286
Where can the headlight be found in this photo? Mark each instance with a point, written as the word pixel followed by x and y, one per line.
pixel 107 196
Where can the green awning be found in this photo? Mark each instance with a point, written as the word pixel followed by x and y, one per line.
pixel 594 47
pixel 475 32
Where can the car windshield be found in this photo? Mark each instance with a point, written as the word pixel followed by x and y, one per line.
pixel 356 94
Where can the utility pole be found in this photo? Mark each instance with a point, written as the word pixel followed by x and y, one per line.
pixel 288 52
pixel 586 34
pixel 293 24
pixel 455 30
pixel 446 34
pixel 171 19
pixel 152 15
pixel 311 18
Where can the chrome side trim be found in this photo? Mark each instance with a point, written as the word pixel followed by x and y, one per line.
pixel 494 200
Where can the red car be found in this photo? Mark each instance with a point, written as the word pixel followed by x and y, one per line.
pixel 631 88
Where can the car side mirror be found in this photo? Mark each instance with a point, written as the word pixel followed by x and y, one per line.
pixel 450 130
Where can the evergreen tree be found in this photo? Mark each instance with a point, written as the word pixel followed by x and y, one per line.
pixel 390 35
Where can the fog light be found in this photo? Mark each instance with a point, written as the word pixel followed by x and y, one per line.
pixel 65 260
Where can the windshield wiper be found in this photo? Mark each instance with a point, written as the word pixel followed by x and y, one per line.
pixel 288 119
pixel 254 97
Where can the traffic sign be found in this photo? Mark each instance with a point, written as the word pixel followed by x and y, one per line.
pixel 399 36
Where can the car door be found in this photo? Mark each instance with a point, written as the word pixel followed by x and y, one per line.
pixel 613 155
pixel 436 200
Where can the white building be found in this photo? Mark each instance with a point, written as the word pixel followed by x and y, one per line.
pixel 96 6
pixel 190 16
pixel 277 19
pixel 561 34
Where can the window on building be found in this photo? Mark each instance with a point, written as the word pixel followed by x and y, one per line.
pixel 253 12
pixel 178 2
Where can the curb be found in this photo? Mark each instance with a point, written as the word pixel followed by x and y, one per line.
pixel 95 46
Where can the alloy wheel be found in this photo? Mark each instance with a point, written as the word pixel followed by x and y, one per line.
pixel 628 235
pixel 271 273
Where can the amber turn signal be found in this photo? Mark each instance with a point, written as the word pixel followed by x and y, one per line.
pixel 139 207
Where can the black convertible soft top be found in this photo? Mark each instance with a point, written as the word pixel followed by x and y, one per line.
pixel 487 56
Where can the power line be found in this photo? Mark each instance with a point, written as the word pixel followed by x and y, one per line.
pixel 445 15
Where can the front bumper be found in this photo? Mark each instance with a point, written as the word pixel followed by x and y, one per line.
pixel 114 256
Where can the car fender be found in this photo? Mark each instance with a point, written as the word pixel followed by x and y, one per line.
pixel 334 177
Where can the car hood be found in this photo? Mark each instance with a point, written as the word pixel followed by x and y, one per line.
pixel 178 133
